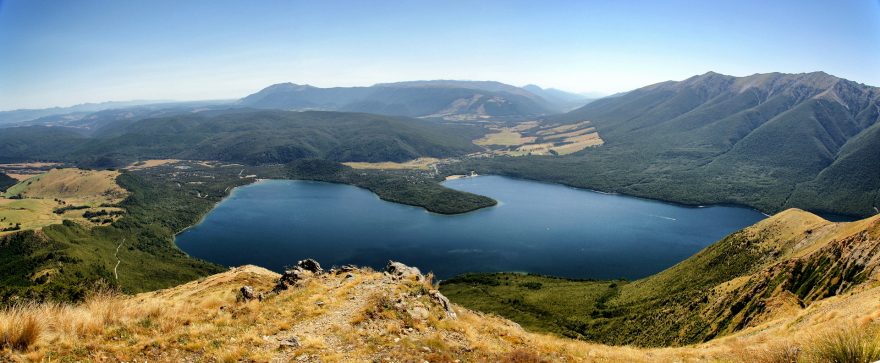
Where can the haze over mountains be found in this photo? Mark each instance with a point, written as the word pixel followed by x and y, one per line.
pixel 441 98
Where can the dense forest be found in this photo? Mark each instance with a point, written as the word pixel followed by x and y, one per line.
pixel 241 135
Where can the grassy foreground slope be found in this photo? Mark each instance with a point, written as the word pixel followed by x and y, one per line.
pixel 776 267
pixel 361 315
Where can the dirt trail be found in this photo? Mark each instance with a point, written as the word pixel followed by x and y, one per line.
pixel 116 256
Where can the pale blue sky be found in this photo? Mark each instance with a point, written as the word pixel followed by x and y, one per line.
pixel 59 53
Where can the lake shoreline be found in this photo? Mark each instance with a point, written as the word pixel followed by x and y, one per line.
pixel 565 232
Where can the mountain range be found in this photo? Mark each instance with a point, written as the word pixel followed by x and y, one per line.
pixel 439 98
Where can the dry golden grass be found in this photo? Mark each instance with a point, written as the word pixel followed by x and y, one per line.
pixel 371 317
pixel 151 163
pixel 59 188
pixel 561 140
pixel 579 145
pixel 78 186
pixel 571 134
pixel 504 137
pixel 416 164
pixel 563 128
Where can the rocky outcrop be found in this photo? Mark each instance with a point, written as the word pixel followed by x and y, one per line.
pixel 310 265
pixel 401 271
pixel 303 269
pixel 443 302
pixel 248 293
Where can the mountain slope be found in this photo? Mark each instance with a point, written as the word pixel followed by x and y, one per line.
pixel 776 268
pixel 37 143
pixel 713 138
pixel 447 99
pixel 242 135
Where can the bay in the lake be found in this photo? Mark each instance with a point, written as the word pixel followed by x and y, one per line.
pixel 536 227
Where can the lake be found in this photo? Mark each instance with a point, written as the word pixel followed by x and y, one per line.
pixel 536 227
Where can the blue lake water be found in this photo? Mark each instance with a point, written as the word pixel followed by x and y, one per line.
pixel 536 227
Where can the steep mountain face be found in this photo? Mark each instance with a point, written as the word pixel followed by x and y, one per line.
pixel 446 99
pixel 776 269
pixel 773 135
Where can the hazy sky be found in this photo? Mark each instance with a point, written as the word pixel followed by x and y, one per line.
pixel 59 53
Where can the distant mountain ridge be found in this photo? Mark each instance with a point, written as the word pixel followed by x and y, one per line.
pixel 22 115
pixel 567 99
pixel 439 98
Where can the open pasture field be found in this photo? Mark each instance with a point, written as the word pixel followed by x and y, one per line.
pixel 85 196
pixel 532 138
pixel 415 164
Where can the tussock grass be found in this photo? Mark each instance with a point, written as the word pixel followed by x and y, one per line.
pixel 847 345
pixel 19 328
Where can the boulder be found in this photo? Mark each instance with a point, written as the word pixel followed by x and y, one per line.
pixel 289 278
pixel 346 268
pixel 248 293
pixel 310 265
pixel 401 271
pixel 290 342
pixel 443 302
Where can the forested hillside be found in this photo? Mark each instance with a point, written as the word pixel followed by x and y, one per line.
pixel 254 137
pixel 769 140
